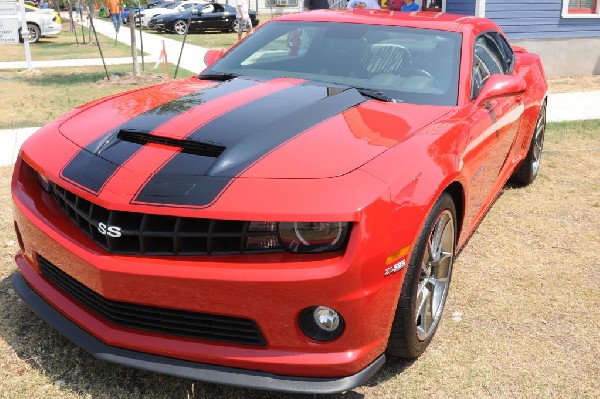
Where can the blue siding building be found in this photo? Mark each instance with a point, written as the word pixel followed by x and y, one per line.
pixel 565 33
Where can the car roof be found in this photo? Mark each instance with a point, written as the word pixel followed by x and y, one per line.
pixel 424 19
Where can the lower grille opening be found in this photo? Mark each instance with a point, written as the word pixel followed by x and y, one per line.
pixel 177 322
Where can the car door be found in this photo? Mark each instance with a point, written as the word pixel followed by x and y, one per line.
pixel 493 126
pixel 493 51
pixel 213 17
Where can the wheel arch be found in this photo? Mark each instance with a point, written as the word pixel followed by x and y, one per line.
pixel 457 192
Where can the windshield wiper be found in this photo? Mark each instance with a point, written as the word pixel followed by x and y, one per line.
pixel 218 76
pixel 375 94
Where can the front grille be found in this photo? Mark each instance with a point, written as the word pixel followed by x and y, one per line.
pixel 134 233
pixel 154 319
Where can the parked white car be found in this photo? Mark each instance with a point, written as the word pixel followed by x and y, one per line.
pixel 40 23
pixel 180 6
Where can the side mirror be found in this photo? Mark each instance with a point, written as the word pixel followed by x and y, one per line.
pixel 501 86
pixel 211 56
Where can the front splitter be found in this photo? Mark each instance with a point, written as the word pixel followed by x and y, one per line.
pixel 186 369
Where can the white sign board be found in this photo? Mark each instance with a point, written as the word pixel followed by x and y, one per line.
pixel 9 31
pixel 9 22
pixel 8 8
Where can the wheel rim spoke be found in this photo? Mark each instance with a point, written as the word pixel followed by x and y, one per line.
pixel 435 273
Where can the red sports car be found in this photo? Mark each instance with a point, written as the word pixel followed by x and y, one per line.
pixel 288 218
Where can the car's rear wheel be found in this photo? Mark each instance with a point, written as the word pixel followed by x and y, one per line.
pixel 34 33
pixel 180 27
pixel 528 170
pixel 426 283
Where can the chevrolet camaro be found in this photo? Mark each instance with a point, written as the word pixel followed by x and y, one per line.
pixel 289 218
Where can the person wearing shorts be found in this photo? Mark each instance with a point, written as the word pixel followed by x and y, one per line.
pixel 243 18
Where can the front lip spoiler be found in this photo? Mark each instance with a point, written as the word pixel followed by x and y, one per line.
pixel 183 368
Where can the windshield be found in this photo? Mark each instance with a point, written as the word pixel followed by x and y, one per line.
pixel 173 5
pixel 401 64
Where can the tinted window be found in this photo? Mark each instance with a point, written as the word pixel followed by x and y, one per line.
pixel 407 64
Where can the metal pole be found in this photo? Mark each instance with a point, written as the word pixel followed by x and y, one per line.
pixel 141 35
pixel 99 48
pixel 25 35
pixel 183 44
pixel 82 32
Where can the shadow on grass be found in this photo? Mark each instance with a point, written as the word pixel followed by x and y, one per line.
pixel 66 79
pixel 50 354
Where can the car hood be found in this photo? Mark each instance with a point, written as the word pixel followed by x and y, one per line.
pixel 278 128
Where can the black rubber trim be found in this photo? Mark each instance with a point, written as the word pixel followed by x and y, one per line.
pixel 182 368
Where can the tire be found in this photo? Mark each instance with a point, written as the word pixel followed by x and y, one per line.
pixel 528 170
pixel 180 27
pixel 34 33
pixel 426 283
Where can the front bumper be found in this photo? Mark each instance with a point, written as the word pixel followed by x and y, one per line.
pixel 181 368
pixel 155 25
pixel 52 29
pixel 271 289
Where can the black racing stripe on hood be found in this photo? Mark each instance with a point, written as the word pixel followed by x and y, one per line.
pixel 188 180
pixel 93 166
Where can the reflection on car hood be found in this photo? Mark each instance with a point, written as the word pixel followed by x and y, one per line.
pixel 278 128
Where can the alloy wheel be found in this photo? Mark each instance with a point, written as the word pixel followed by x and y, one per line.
pixel 435 274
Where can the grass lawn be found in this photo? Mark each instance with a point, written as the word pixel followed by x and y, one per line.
pixel 64 46
pixel 37 98
pixel 522 318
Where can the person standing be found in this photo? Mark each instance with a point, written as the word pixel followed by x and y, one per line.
pixel 316 5
pixel 115 9
pixel 243 18
pixel 409 5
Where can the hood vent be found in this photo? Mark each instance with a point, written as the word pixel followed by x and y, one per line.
pixel 188 146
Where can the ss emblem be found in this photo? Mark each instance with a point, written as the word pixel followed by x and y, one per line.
pixel 112 231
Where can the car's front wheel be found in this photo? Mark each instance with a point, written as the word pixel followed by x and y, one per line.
pixel 34 33
pixel 180 27
pixel 426 283
pixel 528 170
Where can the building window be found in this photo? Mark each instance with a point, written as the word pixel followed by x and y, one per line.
pixel 581 9
pixel 281 3
pixel 432 5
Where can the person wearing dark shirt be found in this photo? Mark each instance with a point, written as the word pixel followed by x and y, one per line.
pixel 316 5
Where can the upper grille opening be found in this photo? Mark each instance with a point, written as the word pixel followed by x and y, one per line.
pixel 188 146
pixel 133 233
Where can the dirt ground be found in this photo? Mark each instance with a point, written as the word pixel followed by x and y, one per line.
pixel 571 84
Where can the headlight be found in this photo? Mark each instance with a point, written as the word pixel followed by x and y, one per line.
pixel 311 237
pixel 43 182
pixel 158 20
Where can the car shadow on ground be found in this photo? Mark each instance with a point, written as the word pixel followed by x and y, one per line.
pixel 63 364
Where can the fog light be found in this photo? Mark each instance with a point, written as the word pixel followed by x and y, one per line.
pixel 326 318
pixel 321 323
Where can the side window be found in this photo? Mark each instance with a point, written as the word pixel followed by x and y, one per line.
pixel 507 56
pixel 487 60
